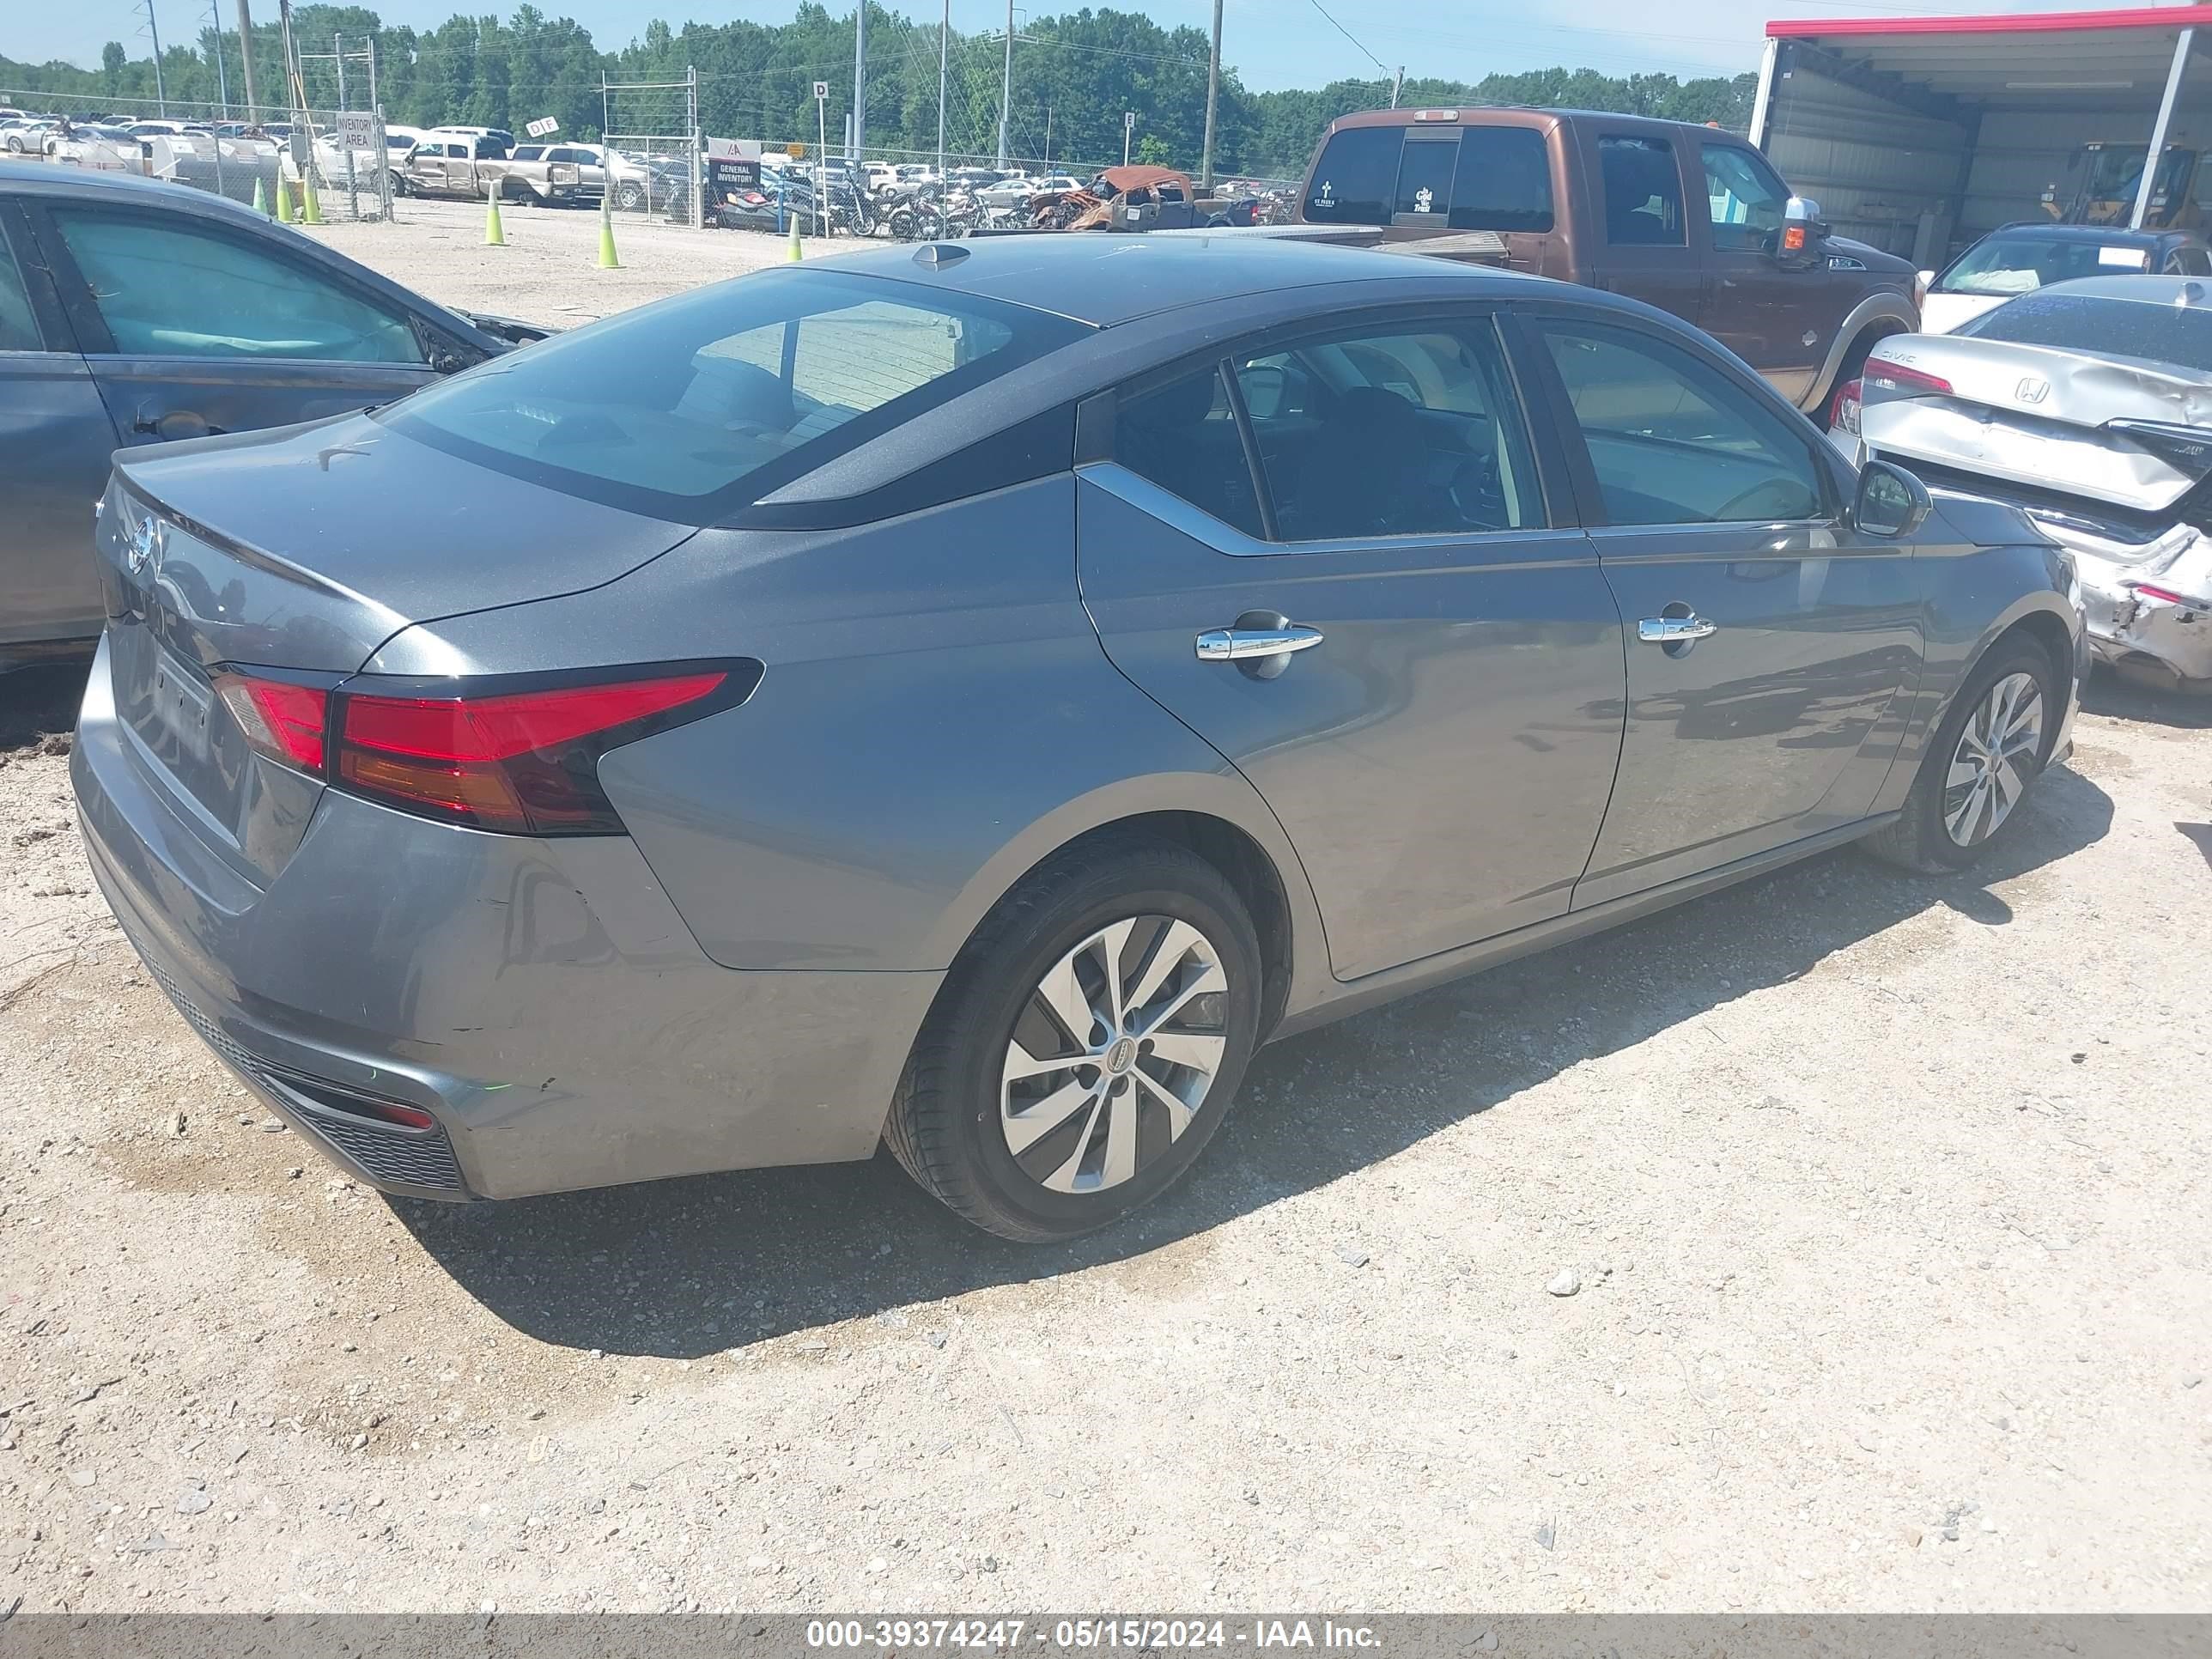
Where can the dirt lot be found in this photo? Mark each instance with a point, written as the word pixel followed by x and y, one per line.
pixel 1888 1198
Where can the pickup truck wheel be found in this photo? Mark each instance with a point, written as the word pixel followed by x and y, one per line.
pixel 631 198
pixel 400 186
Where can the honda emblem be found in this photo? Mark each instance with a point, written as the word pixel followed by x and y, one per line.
pixel 2032 390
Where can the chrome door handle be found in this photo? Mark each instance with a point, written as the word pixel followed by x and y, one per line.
pixel 1245 644
pixel 1674 630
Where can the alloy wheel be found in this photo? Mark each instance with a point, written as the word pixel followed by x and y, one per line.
pixel 1113 1054
pixel 1997 754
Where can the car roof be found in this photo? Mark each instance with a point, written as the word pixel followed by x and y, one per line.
pixel 1105 278
pixel 2186 292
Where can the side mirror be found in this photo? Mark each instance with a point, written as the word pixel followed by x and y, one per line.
pixel 1802 231
pixel 1922 282
pixel 1891 501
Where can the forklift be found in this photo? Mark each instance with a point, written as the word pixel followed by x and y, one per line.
pixel 2108 178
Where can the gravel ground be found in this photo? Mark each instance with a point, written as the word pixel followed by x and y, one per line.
pixel 1883 1202
pixel 548 271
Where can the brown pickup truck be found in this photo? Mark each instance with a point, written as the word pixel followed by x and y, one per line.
pixel 1690 219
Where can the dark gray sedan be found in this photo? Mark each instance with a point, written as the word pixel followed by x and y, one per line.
pixel 133 311
pixel 971 697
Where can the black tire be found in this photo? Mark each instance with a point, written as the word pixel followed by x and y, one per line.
pixel 945 1124
pixel 631 198
pixel 1918 841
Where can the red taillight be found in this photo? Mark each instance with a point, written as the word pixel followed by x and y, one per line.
pixel 523 762
pixel 1882 376
pixel 2148 590
pixel 1844 412
pixel 283 720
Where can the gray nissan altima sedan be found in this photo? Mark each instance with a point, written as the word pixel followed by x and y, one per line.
pixel 969 698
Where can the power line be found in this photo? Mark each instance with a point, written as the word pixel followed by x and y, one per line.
pixel 1349 36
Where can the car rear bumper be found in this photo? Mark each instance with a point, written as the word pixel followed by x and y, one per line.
pixel 2146 610
pixel 541 1000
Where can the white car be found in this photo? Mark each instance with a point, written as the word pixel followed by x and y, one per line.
pixel 2020 259
pixel 1017 190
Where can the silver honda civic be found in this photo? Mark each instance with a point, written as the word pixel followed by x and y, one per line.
pixel 969 698
pixel 2088 404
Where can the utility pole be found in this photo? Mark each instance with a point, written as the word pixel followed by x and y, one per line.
pixel 221 78
pixel 943 45
pixel 246 53
pixel 1213 100
pixel 1397 86
pixel 1129 131
pixel 860 78
pixel 1007 86
pixel 160 99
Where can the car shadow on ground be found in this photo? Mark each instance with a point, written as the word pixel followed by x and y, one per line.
pixel 40 703
pixel 683 1268
pixel 2132 700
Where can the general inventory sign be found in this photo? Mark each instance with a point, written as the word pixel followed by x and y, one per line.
pixel 357 129
pixel 544 126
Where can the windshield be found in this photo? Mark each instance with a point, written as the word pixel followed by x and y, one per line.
pixel 2116 171
pixel 2102 327
pixel 702 403
pixel 2022 264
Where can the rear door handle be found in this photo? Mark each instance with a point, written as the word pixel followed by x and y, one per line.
pixel 1248 644
pixel 1674 630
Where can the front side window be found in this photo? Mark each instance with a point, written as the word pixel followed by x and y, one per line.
pixel 1643 192
pixel 1673 440
pixel 1184 437
pixel 1391 432
pixel 703 404
pixel 19 329
pixel 1745 200
pixel 174 290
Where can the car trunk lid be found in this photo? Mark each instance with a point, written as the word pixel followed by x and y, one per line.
pixel 298 553
pixel 2056 421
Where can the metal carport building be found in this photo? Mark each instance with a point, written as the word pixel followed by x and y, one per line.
pixel 1918 134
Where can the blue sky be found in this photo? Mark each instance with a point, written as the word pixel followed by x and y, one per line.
pixel 1272 43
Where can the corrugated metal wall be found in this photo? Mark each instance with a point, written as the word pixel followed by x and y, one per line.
pixel 1882 172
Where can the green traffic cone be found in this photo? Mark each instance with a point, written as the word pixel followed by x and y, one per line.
pixel 792 255
pixel 494 232
pixel 260 198
pixel 283 200
pixel 311 208
pixel 607 260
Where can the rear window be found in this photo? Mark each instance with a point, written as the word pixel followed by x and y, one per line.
pixel 701 404
pixel 1481 177
pixel 2108 328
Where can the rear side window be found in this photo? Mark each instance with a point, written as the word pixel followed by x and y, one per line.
pixel 1184 437
pixel 1643 192
pixel 1354 180
pixel 2190 262
pixel 694 407
pixel 1503 181
pixel 2106 327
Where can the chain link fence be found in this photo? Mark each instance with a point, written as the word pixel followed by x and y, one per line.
pixel 244 154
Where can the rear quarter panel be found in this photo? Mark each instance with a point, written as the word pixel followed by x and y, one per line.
pixel 937 717
pixel 1984 571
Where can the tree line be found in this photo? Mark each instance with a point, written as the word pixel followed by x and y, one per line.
pixel 1074 75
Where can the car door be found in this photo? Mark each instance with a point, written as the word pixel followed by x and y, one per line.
pixel 1643 248
pixel 1334 554
pixel 193 326
pixel 55 440
pixel 1766 638
pixel 1779 318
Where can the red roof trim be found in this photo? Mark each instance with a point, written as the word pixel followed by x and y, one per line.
pixel 2163 18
